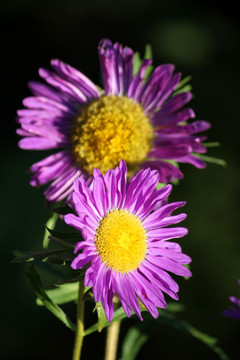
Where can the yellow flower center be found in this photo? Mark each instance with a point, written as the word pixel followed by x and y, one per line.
pixel 121 241
pixel 109 129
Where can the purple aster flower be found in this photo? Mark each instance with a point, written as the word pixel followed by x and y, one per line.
pixel 233 311
pixel 138 120
pixel 124 226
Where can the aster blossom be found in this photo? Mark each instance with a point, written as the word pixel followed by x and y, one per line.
pixel 234 310
pixel 139 120
pixel 126 247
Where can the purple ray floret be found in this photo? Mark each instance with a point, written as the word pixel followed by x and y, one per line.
pixel 47 120
pixel 92 203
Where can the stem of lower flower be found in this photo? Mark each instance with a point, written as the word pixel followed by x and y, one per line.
pixel 112 336
pixel 80 323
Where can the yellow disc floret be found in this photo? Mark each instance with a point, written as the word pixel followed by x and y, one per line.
pixel 121 241
pixel 108 130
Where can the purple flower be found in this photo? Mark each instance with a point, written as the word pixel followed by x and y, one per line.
pixel 125 230
pixel 138 120
pixel 233 311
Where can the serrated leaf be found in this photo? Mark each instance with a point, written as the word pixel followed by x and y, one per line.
pixel 37 255
pixel 212 160
pixel 62 294
pixel 51 223
pixel 45 299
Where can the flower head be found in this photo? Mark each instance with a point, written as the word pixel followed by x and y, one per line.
pixel 138 120
pixel 124 226
pixel 233 311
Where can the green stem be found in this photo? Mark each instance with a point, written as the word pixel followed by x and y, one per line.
pixel 80 324
pixel 112 336
pixel 112 340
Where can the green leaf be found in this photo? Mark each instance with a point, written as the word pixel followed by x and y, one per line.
pixel 140 333
pixel 64 210
pixel 45 299
pixel 101 316
pixel 66 239
pixel 51 223
pixel 183 86
pixel 119 314
pixel 136 62
pixel 62 294
pixel 212 160
pixel 133 341
pixel 148 55
pixel 183 82
pixel 160 185
pixel 40 255
pixel 186 88
pixel 211 144
pixel 166 316
pixel 189 268
pixel 174 307
pixel 65 236
pixel 148 52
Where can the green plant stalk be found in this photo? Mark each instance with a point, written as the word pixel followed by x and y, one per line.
pixel 113 335
pixel 79 335
pixel 112 340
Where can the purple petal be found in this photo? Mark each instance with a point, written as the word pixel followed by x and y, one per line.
pixel 170 151
pixel 167 171
pixel 38 143
pixel 166 234
pixel 162 212
pixel 176 102
pixel 194 160
pixel 169 265
pixel 75 77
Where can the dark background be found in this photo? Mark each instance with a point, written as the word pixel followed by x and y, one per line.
pixel 202 39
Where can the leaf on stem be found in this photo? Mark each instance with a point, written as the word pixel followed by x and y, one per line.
pixel 51 223
pixel 102 320
pixel 66 236
pixel 166 316
pixel 45 299
pixel 62 294
pixel 212 160
pixel 38 255
pixel 135 338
